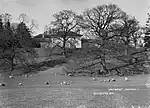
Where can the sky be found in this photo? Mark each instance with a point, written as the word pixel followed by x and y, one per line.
pixel 42 10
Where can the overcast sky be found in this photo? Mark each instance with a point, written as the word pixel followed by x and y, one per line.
pixel 42 10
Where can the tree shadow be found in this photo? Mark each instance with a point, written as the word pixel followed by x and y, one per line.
pixel 41 66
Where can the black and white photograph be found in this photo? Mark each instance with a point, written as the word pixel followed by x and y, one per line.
pixel 74 53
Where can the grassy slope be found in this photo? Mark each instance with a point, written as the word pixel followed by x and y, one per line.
pixel 79 59
pixel 76 59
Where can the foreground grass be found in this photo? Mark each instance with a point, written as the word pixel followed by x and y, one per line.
pixel 65 98
pixel 35 94
pixel 69 98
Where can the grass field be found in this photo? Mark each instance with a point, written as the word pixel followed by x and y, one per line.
pixel 35 94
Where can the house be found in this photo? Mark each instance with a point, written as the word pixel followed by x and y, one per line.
pixel 48 40
pixel 47 43
pixel 90 43
pixel 44 40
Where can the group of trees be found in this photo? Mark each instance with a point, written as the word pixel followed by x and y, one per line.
pixel 116 33
pixel 15 42
pixel 114 29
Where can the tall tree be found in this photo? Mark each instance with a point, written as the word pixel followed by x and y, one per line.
pixel 99 21
pixel 16 42
pixel 147 32
pixel 64 27
pixel 32 24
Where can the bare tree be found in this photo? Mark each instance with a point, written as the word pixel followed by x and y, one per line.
pixel 64 27
pixel 32 24
pixel 23 18
pixel 99 21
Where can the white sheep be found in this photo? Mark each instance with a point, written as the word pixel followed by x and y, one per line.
pixel 94 79
pixel 126 79
pixel 11 76
pixel 2 84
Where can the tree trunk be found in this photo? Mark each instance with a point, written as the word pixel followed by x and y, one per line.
pixel 126 49
pixel 135 43
pixel 103 58
pixel 12 60
pixel 103 64
pixel 12 63
pixel 126 46
pixel 64 47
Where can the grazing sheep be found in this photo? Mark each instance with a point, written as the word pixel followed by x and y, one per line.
pixel 108 80
pixel 70 75
pixel 101 80
pixel 2 84
pixel 31 75
pixel 113 80
pixel 147 85
pixel 94 79
pixel 126 79
pixel 105 80
pixel 20 84
pixel 46 83
pixel 11 76
pixel 64 82
pixel 26 75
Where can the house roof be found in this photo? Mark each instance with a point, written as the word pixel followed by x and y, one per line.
pixel 70 34
pixel 90 40
pixel 41 36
